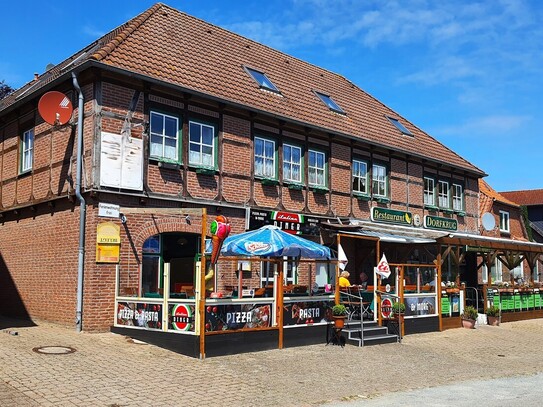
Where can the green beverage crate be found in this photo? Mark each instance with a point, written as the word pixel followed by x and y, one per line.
pixel 538 300
pixel 516 302
pixel 531 301
pixel 507 302
pixel 445 305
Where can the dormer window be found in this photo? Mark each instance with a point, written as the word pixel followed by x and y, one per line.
pixel 399 126
pixel 328 101
pixel 262 80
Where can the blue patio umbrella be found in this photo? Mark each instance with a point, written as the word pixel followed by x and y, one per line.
pixel 270 241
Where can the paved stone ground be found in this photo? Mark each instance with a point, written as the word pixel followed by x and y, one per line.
pixel 109 370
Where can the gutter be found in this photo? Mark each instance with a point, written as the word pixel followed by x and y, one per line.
pixel 82 208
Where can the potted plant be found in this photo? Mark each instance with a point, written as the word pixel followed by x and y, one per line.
pixel 469 316
pixel 493 315
pixel 339 312
pixel 398 308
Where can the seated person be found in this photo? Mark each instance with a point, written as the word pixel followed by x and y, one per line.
pixel 344 279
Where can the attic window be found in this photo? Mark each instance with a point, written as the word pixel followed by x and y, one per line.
pixel 262 80
pixel 328 101
pixel 399 126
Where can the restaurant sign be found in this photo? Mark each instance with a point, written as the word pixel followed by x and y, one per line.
pixel 420 306
pixel 233 317
pixel 391 216
pixel 439 223
pixel 293 223
pixel 181 317
pixel 140 315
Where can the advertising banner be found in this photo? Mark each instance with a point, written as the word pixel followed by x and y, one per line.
pixel 232 317
pixel 415 306
pixel 138 314
pixel 181 317
pixel 312 312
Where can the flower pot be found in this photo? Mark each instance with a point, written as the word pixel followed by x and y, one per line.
pixel 339 321
pixel 468 323
pixel 494 321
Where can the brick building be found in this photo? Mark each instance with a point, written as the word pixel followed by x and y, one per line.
pixel 177 121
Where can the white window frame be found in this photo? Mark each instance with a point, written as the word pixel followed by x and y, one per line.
pixel 504 222
pixel 267 168
pixel 27 151
pixel 496 272
pixel 204 155
pixel 316 168
pixel 360 177
pixel 379 180
pixel 518 271
pixel 458 197
pixel 429 191
pixel 289 165
pixel 165 138
pixel 535 272
pixel 443 194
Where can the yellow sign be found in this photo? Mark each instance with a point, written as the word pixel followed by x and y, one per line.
pixel 108 243
pixel 108 232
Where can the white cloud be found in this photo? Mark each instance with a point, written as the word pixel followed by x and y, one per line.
pixel 491 126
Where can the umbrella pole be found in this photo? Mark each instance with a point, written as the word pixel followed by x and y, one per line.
pixel 280 303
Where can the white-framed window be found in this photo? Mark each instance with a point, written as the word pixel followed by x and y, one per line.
pixel 496 272
pixel 268 269
pixel 443 194
pixel 201 144
pixel 292 163
pixel 458 197
pixel 316 168
pixel 504 221
pixel 264 158
pixel 360 177
pixel 379 180
pixel 164 136
pixel 518 272
pixel 27 151
pixel 429 191
pixel 535 272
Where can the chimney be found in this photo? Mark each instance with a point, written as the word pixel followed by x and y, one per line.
pixel 36 76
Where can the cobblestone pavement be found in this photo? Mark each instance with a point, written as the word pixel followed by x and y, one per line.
pixel 109 370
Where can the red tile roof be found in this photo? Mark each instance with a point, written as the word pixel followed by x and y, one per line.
pixel 526 197
pixel 171 46
pixel 489 192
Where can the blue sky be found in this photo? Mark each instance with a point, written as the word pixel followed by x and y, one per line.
pixel 470 73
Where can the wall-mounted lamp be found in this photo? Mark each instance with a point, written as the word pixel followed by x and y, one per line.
pixel 122 217
pixel 188 219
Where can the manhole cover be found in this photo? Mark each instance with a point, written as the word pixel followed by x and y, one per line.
pixel 54 350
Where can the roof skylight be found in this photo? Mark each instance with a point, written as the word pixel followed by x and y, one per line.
pixel 399 126
pixel 262 80
pixel 328 101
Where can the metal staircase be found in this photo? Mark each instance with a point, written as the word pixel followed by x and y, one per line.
pixel 368 333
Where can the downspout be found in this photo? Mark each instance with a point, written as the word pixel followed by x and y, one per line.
pixel 82 208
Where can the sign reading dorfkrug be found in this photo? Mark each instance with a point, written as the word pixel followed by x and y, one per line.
pixel 436 222
pixel 391 216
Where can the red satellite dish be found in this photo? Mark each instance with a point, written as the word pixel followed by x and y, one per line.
pixel 55 108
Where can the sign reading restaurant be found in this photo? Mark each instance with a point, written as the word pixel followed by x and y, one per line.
pixel 391 216
pixel 293 223
pixel 436 222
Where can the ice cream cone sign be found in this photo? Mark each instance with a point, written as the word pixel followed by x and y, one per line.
pixel 220 229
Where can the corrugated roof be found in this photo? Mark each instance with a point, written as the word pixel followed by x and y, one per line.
pixel 171 46
pixel 526 197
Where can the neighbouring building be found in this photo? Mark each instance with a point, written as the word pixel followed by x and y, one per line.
pixel 532 201
pixel 177 122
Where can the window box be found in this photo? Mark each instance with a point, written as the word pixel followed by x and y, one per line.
pixel 381 199
pixel 205 171
pixel 447 211
pixel 362 197
pixel 169 165
pixel 269 181
pixel 295 186
pixel 430 207
pixel 461 213
pixel 318 189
